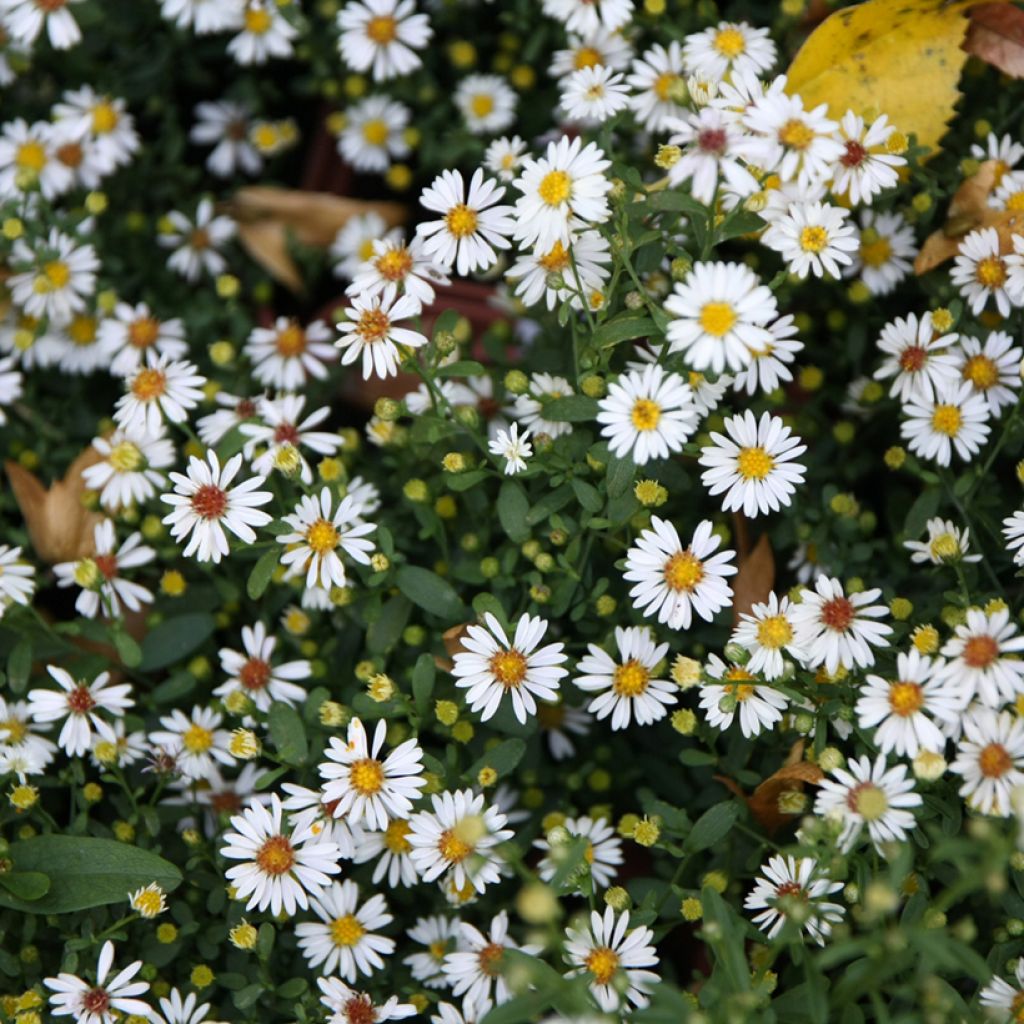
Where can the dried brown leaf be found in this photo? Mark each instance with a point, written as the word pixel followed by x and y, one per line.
pixel 996 35
pixel 753 583
pixel 267 243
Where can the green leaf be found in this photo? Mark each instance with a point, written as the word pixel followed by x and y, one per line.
pixel 712 826
pixel 503 758
pixel 570 409
pixel 587 495
pixel 446 322
pixel 428 591
pixel 423 681
pixel 463 368
pixel 623 328
pixel 926 505
pixel 292 988
pixel 677 202
pixel 384 633
pixel 19 665
pixel 127 649
pixel 465 481
pixel 175 638
pixel 513 508
pixel 575 856
pixel 620 475
pixel 549 504
pixel 288 733
pixel 26 885
pixel 728 946
pixel 262 573
pixel 739 222
pixel 85 872
pixel 180 685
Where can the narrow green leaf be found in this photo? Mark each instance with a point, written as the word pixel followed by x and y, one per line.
pixel 623 328
pixel 587 495
pixel 428 591
pixel 503 758
pixel 570 409
pixel 926 505
pixel 463 368
pixel 385 631
pixel 288 733
pixel 620 475
pixel 668 201
pixel 513 508
pixel 549 504
pixel 26 885
pixel 712 826
pixel 175 638
pixel 127 649
pixel 262 572
pixel 423 682
pixel 19 665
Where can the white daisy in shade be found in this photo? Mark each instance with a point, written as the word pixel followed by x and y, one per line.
pixel 713 152
pixel 557 721
pixel 513 447
pixel 439 936
pixel 955 419
pixel 233 411
pixel 992 369
pixel 603 852
pixel 353 244
pixel 528 409
pixel 224 124
pixel 1002 997
pixel 104 1002
pixel 672 582
pixel 577 272
pixel 115 743
pixel 834 629
pixel 719 313
pixel 204 503
pixel 766 631
pixel 589 16
pixel 391 850
pixel 486 102
pixel 866 167
pixel 1004 149
pixel 365 787
pixel 795 143
pixel 196 244
pixel 886 253
pixel 728 47
pixel 449 1014
pixel 794 885
pixel 26 20
pixel 869 795
pixel 29 160
pixel 658 80
pixel 344 940
pixel 981 273
pixel 316 534
pixel 252 671
pixel 156 391
pixel 769 364
pixel 265 33
pixel 813 238
pixel 1013 533
pixel 132 331
pixel 371 331
pixel 946 543
pixel 205 16
pixel 504 156
pixel 129 472
pixel 604 48
pixel 613 959
pixel 351 1007
pixel 54 278
pixel 82 352
pixel 754 464
pixel 490 666
pixel 195 741
pixel 737 691
pixel 990 760
pixel 920 360
pixel 398 265
pixel 707 393
pixel 99 122
pixel 307 808
pixel 17 578
pixel 382 37
pixel 984 658
pixel 626 687
pixel 78 703
pixel 901 710
pixel 280 868
pixel 104 589
pixel 175 1010
pixel 458 836
pixel 289 355
pixel 18 742
pixel 283 428
pixel 647 414
pixel 374 134
pixel 566 185
pixel 592 95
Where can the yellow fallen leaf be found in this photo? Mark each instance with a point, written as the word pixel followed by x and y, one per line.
pixel 896 57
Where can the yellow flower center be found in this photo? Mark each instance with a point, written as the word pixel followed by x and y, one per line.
pixel 509 668
pixel 717 318
pixel 257 21
pixel 366 776
pixel 148 903
pixel 196 739
pixel 586 57
pixel 796 134
pixel 460 221
pixel 813 238
pixel 683 571
pixel 905 699
pixel 291 341
pixel 1015 202
pixel 555 188
pixel 981 371
pixel 944 546
pixel 82 330
pixel 663 85
pixel 994 761
pixel 394 264
pixel 375 131
pixel 645 414
pixel 322 537
pixel 104 118
pixel 126 458
pixel 149 384
pixel 876 253
pixel 481 104
pixel 276 856
pixel 31 156
pixel 13 731
pixel 373 325
pixel 729 42
pixel 56 274
pixel 142 333
pixel 631 679
pixel 868 800
pixel 438 949
pixel 602 963
pixel 489 959
pixel 991 272
pixel 452 847
pixel 754 463
pixel 394 837
pixel 346 930
pixel 774 632
pixel 382 29
pixel 946 420
pixel 556 259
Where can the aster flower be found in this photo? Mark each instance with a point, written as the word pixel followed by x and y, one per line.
pixel 157 391
pixel 197 243
pixel 658 80
pixel 289 355
pixel 592 95
pixel 714 151
pixel 946 543
pixel 504 156
pixel 438 935
pixel 175 1010
pixel 1013 533
pixel 589 16
pixel 391 850
pixel 253 672
pixel 528 409
pixel 769 363
pixel 224 124
pixel 992 369
pixel 283 428
pixel 956 419
pixel 866 166
pixel 195 740
pixel 351 1007
pixel 371 331
pixel 513 447
pixel 17 578
pixel 981 273
pixel 487 103
pixel 766 631
pixel 737 691
pixel 577 272
pixel 374 134
pixel 813 238
pixel 886 252
pixel 794 881
pixel 729 47
pixel 382 37
pixel 25 20
pixel 984 658
pixel 54 277
pixel 129 472
pixel 398 265
pixel 265 33
pixel 1002 997
pixel 990 760
pixel 29 159
pixel 132 331
pixel 920 359
pixel 103 1002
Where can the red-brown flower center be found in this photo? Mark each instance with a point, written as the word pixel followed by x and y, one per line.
pixel 837 614
pixel 980 651
pixel 854 154
pixel 96 1001
pixel 80 700
pixel 209 502
pixel 255 674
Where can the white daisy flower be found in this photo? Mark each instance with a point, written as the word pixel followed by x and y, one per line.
pixel 391 850
pixel 920 360
pixel 371 331
pixel 17 578
pixel 566 185
pixel 353 245
pixel 788 883
pixel 557 720
pixel 990 760
pixel 281 869
pixel 592 95
pixel 813 238
pixel 11 383
pixel 288 355
pixel 647 414
pixel 603 852
pixel 728 47
pixel 490 667
pixel 528 409
pixel 224 124
pixel 946 543
pixel 766 631
pixel 577 272
pixel 398 265
pixel 29 159
pixel 449 1014
pixel 992 369
pixel 197 243
pixel 382 37
pixel 886 253
pixel 471 227
pixel 115 743
pixel 957 418
pixel 753 464
pixel 486 102
pixel 204 16
pixel 307 809
pixel 366 787
pixel 107 1000
pixel 984 660
pixel 658 79
pixel 768 368
pixel 233 412
pixel 504 156
pixel 283 427
pixel 54 279
pixel 204 503
pixel 1014 265
pixel 719 316
pixel 19 745
pixel 999 995
pixel 78 703
pixel 737 690
pixel 614 959
pixel 601 48
pixel 195 741
pixel 351 1007
pixel 175 1010
pixel 316 535
pixel 252 671
pixel 25 20
pixel 265 33
pixel 835 630
pixel 344 941
pixel 981 273
pixel 104 589
pixel 513 447
pixel 1013 532
pixel 866 167
pixel 374 134
pixel 101 122
pixel 714 149
pixel 129 472
pixel 82 352
pixel 156 391
pixel 132 331
pixel 671 582
pixel 589 16
pixel 438 935
pixel 626 688
pixel 459 835
pixel 1004 149
pixel 900 710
